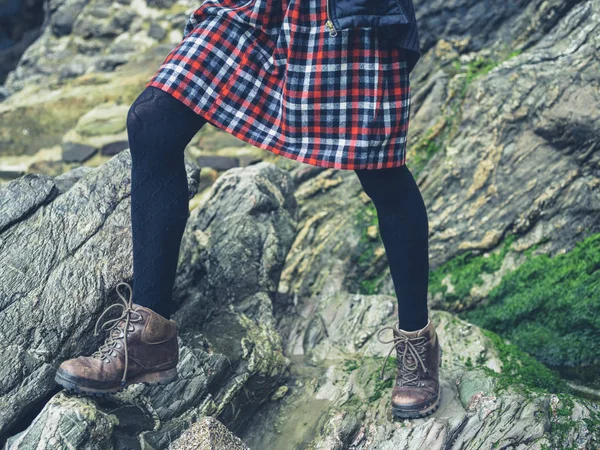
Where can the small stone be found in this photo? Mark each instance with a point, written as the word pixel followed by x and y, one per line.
pixel 372 232
pixel 157 32
pixel 113 148
pixel 280 393
pixel 75 152
pixel 218 162
pixel 208 434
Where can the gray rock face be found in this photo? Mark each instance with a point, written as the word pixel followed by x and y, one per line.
pixel 22 196
pixel 61 256
pixel 519 156
pixel 231 358
pixel 473 25
pixel 524 159
pixel 336 400
pixel 235 249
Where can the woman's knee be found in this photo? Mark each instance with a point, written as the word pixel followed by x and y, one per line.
pixel 382 184
pixel 141 111
pixel 158 121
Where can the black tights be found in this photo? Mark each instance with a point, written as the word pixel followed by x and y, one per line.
pixel 160 127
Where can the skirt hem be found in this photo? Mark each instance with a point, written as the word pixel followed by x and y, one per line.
pixel 272 148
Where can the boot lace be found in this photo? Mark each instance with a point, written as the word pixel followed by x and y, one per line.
pixel 116 331
pixel 410 356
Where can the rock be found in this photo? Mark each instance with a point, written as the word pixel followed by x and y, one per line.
pixel 249 216
pixel 4 93
pixel 65 181
pixel 22 196
pixel 332 251
pixel 163 4
pixel 107 118
pixel 12 171
pixel 207 177
pixel 75 152
pixel 65 253
pixel 156 31
pixel 218 162
pixel 112 148
pixel 208 434
pixel 52 168
pixel 231 359
pixel 484 182
pixel 338 401
pixel 55 422
pixel 62 20
pixel 103 127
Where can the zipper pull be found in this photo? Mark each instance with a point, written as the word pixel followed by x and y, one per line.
pixel 332 30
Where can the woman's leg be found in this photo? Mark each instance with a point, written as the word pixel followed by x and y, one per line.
pixel 404 230
pixel 159 128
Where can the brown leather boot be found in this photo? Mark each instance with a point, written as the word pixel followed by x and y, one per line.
pixel 419 356
pixel 147 354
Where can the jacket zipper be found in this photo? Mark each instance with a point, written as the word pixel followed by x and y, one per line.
pixel 329 23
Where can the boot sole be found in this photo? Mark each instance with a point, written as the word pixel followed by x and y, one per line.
pixel 69 382
pixel 412 413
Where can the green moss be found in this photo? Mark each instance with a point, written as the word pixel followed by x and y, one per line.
pixel 371 286
pixel 549 307
pixel 469 362
pixel 476 68
pixel 378 387
pixel 369 268
pixel 350 365
pixel 561 424
pixel 434 139
pixel 465 272
pixel 428 146
pixel 479 66
pixel 521 370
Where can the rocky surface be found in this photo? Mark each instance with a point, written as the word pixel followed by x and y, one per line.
pixel 511 140
pixel 335 399
pixel 96 36
pixel 22 23
pixel 283 279
pixel 56 276
pixel 231 356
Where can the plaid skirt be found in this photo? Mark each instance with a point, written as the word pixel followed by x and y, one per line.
pixel 272 74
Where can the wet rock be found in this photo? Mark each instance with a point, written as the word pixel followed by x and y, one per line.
pixel 337 400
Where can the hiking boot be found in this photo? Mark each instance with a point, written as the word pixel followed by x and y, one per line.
pixel 147 353
pixel 416 392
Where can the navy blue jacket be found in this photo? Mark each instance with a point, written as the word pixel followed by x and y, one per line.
pixel 395 17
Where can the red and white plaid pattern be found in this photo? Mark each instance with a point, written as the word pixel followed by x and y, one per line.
pixel 270 73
